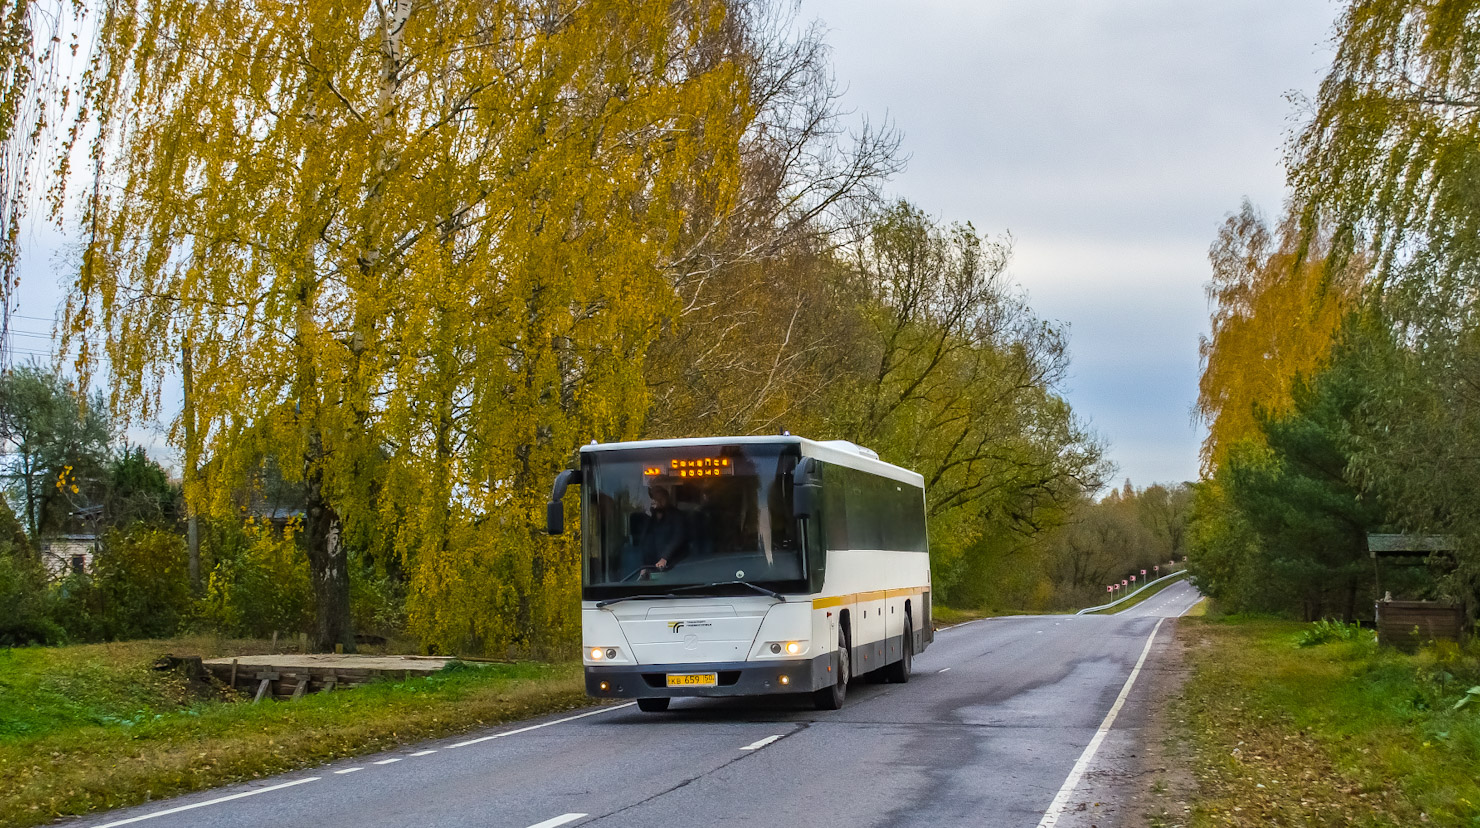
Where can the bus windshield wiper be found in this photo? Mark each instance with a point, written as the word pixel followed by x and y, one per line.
pixel 759 589
pixel 600 604
pixel 672 595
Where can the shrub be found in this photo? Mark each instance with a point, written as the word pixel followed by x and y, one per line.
pixel 139 587
pixel 25 612
pixel 1326 631
pixel 260 582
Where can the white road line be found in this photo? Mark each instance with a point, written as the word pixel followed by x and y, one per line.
pixel 218 800
pixel 348 770
pixel 943 669
pixel 424 753
pixel 538 726
pixel 390 761
pixel 1061 801
pixel 563 819
pixel 757 745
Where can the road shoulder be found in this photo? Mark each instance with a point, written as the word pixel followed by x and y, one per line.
pixel 1136 778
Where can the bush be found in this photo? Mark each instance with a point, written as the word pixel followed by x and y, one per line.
pixel 139 588
pixel 260 582
pixel 1326 631
pixel 26 617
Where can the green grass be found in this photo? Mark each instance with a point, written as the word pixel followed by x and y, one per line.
pixel 90 727
pixel 1337 733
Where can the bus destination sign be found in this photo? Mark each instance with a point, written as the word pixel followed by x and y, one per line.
pixel 692 467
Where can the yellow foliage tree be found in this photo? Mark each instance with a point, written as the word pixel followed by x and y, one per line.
pixel 1277 308
pixel 415 252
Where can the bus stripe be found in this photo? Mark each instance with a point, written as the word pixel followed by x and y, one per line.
pixel 839 600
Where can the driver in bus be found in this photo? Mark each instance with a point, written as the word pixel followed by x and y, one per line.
pixel 665 537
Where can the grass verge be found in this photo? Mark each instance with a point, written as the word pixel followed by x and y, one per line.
pixel 1342 733
pixel 91 727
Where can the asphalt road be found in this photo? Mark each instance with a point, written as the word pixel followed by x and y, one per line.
pixel 993 725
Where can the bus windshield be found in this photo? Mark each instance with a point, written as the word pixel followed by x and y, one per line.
pixel 657 519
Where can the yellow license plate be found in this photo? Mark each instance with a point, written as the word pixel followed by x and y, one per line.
pixel 693 679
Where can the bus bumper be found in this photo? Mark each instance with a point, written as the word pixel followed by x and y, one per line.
pixel 735 678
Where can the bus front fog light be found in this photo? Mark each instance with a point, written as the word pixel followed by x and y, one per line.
pixel 605 686
pixel 785 680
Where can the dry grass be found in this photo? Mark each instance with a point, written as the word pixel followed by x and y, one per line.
pixel 86 728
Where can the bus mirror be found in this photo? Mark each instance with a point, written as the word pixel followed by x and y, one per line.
pixel 804 500
pixel 555 518
pixel 555 511
pixel 805 488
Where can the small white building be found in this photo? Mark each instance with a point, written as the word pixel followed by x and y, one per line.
pixel 64 555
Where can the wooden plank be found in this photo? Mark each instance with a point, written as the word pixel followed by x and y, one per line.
pixel 262 690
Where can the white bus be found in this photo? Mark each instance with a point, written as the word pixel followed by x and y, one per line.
pixel 733 566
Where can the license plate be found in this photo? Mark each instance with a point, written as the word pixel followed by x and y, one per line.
pixel 693 679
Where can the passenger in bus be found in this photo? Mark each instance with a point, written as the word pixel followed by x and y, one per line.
pixel 665 535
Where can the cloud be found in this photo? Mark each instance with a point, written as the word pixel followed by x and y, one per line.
pixel 1110 139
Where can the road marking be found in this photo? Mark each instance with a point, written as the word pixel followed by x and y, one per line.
pixel 943 670
pixel 538 726
pixel 348 770
pixel 563 819
pixel 215 801
pixel 389 761
pixel 757 745
pixel 1061 801
pixel 424 753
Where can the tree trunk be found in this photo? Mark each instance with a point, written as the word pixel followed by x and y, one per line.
pixel 330 574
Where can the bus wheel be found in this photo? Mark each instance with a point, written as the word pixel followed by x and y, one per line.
pixel 831 698
pixel 652 705
pixel 899 671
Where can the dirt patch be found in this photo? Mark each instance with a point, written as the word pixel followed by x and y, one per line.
pixel 1165 787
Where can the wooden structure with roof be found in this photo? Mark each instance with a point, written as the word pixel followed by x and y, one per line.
pixel 1407 623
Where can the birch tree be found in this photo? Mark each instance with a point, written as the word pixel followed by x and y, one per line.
pixel 417 251
pixel 1276 312
pixel 36 38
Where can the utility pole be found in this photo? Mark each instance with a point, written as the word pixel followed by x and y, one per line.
pixel 192 531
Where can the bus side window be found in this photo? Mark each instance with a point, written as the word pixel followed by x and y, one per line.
pixel 835 507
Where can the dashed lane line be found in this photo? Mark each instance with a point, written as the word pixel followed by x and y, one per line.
pixel 563 819
pixel 218 800
pixel 348 770
pixel 760 743
pixel 424 753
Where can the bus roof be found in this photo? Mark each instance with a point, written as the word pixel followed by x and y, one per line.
pixel 839 452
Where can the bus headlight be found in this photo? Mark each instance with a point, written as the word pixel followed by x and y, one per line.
pixel 601 653
pixel 786 647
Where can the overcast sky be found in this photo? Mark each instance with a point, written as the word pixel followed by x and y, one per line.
pixel 1111 137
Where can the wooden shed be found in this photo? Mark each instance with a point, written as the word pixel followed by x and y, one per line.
pixel 1408 623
